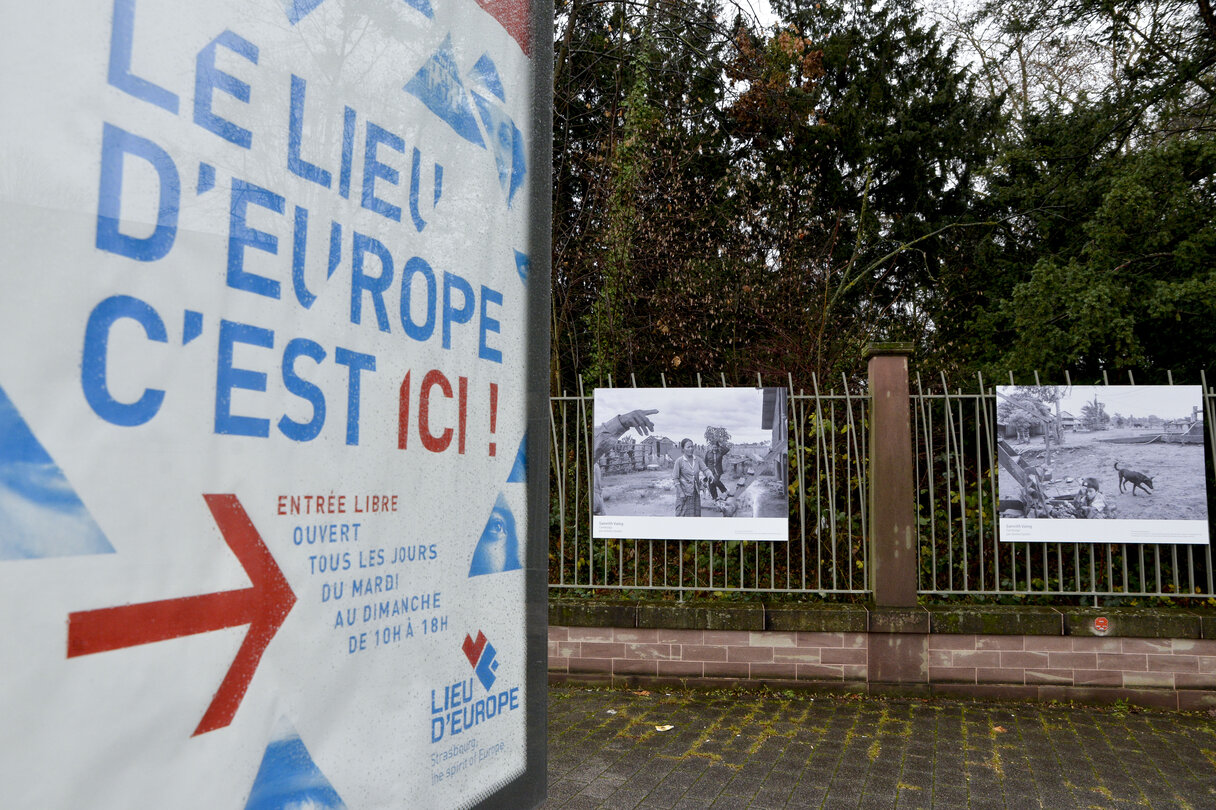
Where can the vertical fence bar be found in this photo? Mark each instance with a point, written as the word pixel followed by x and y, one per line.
pixel 580 441
pixel 977 405
pixel 863 481
pixel 560 465
pixel 948 427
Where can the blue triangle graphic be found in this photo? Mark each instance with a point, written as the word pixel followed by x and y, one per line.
pixel 507 143
pixel 299 9
pixel 423 6
pixel 289 778
pixel 498 548
pixel 522 266
pixel 519 472
pixel 437 85
pixel 40 514
pixel 485 72
pixel 519 162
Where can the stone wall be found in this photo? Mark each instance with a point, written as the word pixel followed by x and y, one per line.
pixel 1159 658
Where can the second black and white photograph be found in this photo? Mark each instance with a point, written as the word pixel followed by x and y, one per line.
pixel 690 453
pixel 1131 457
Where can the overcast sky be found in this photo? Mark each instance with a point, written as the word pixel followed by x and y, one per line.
pixel 1166 401
pixel 686 412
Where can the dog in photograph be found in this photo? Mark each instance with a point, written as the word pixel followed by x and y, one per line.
pixel 1136 479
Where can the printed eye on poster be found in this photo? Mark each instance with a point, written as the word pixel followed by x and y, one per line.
pixel 690 464
pixel 1102 464
pixel 272 441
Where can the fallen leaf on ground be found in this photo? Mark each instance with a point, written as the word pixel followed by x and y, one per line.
pixel 663 728
pixel 999 729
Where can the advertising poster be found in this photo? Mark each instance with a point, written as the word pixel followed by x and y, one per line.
pixel 1102 464
pixel 265 329
pixel 690 464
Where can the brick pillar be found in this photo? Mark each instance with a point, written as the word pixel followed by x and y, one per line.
pixel 892 537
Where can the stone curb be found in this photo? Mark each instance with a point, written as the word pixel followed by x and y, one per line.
pixel 939 619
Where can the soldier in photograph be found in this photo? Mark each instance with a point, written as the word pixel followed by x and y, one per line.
pixel 605 436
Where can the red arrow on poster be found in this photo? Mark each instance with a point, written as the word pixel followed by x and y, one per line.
pixel 263 607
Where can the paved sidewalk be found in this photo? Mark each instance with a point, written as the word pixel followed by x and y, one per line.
pixel 800 750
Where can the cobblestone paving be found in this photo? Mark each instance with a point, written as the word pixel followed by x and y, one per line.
pixel 796 750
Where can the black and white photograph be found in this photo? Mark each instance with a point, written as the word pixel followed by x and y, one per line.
pixel 690 464
pixel 1101 464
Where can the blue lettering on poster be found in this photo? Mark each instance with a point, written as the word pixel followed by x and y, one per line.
pixel 299 251
pixel 208 77
pixel 116 144
pixel 144 228
pixel 437 85
pixel 415 183
pixel 302 388
pixel 229 376
pixel 519 470
pixel 498 548
pixel 242 236
pixel 348 151
pixel 40 514
pixel 355 362
pixel 288 777
pixel 374 168
pixel 122 35
pixel 295 135
pixel 94 355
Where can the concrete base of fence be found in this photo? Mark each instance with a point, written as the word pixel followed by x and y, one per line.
pixel 1153 658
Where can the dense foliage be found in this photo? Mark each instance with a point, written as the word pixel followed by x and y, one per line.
pixel 1021 186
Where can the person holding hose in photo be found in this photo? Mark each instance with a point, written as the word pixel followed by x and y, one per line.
pixel 719 446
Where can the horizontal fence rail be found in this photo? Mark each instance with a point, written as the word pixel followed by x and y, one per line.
pixel 959 548
pixel 959 551
pixel 826 550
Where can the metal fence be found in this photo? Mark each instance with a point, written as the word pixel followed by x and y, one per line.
pixel 959 549
pixel 826 552
pixel 960 552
